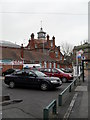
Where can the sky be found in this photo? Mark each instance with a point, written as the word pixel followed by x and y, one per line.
pixel 67 20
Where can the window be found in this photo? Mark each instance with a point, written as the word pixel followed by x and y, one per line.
pixel 54 65
pixel 48 70
pixel 31 74
pixel 56 53
pixel 50 65
pixel 54 71
pixel 45 64
pixel 35 45
pixel 60 57
pixel 51 44
pixel 58 66
pixel 29 47
pixel 40 64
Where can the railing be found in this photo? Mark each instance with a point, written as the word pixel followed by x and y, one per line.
pixel 46 111
pixel 62 97
pixel 65 94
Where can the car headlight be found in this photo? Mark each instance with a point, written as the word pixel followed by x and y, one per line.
pixel 70 75
pixel 53 81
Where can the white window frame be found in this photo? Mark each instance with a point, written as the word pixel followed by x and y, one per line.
pixel 50 65
pixel 51 44
pixel 35 45
pixel 54 65
pixel 56 52
pixel 45 64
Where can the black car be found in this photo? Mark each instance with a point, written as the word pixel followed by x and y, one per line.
pixel 32 78
pixel 8 71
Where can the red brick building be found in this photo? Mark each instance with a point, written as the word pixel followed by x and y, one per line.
pixel 45 45
pixel 41 51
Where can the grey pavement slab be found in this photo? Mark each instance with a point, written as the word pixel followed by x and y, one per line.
pixel 80 109
pixel 81 88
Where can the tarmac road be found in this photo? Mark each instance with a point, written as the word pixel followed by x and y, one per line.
pixel 34 101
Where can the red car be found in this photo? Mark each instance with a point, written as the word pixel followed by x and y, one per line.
pixel 55 72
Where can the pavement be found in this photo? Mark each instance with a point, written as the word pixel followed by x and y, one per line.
pixel 78 106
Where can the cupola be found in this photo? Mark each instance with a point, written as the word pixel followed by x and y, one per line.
pixel 41 34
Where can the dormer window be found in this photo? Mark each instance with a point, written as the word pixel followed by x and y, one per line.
pixel 60 57
pixel 56 53
pixel 51 44
pixel 35 45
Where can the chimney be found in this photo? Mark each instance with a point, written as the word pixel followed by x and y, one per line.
pixel 59 48
pixel 47 38
pixel 22 51
pixel 29 40
pixel 53 38
pixel 32 36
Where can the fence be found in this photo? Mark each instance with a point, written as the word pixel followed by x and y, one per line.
pixel 65 94
pixel 53 106
pixel 62 97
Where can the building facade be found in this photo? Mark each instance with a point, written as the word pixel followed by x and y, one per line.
pixel 41 51
pixel 84 50
pixel 45 45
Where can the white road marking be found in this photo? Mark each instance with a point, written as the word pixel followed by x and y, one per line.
pixel 66 116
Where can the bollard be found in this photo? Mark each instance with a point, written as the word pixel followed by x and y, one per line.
pixel 70 88
pixel 46 114
pixel 52 106
pixel 60 100
pixel 54 110
pixel 75 83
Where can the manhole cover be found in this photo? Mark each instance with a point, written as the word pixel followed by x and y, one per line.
pixel 81 88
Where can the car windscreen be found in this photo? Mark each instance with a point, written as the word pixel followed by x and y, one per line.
pixel 60 70
pixel 39 74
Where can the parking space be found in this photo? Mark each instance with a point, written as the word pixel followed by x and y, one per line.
pixel 34 101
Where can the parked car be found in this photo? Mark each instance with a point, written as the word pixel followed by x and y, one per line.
pixel 32 78
pixel 55 72
pixel 67 70
pixel 8 71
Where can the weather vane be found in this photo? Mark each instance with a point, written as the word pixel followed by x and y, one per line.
pixel 41 23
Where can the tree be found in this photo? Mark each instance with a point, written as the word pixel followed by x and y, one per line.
pixel 66 49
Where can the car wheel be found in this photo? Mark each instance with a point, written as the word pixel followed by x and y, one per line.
pixel 12 84
pixel 44 86
pixel 64 80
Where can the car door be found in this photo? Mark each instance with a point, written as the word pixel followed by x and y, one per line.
pixel 20 78
pixel 32 79
pixel 48 72
pixel 55 73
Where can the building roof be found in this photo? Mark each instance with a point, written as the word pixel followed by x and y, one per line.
pixel 84 46
pixel 8 44
pixel 36 56
pixel 10 53
pixel 41 31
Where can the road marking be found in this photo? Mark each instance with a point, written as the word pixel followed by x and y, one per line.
pixel 66 116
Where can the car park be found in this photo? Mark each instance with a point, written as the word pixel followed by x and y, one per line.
pixel 32 78
pixel 55 72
